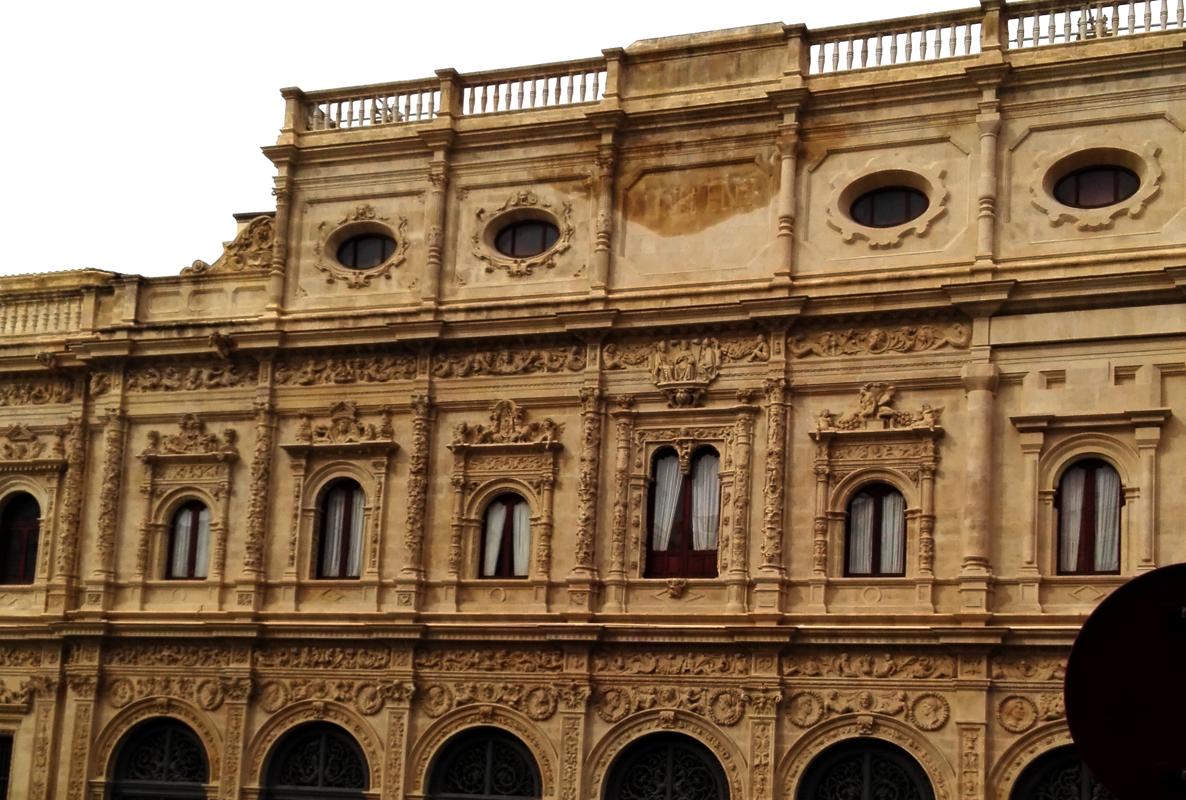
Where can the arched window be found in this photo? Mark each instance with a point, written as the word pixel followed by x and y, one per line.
pixel 667 767
pixel 506 538
pixel 20 530
pixel 875 537
pixel 685 513
pixel 1088 502
pixel 864 769
pixel 339 540
pixel 317 760
pixel 1058 775
pixel 189 542
pixel 161 758
pixel 484 763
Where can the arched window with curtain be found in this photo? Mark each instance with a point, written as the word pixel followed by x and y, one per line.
pixel 484 763
pixel 316 761
pixel 1058 775
pixel 339 540
pixel 189 542
pixel 875 534
pixel 506 538
pixel 20 534
pixel 1088 503
pixel 685 513
pixel 161 758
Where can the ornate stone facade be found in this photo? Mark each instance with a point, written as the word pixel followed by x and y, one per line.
pixel 708 297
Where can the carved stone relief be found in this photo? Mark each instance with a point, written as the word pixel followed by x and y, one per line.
pixel 927 711
pixel 509 361
pixel 1037 667
pixel 538 702
pixel 207 693
pixel 368 697
pixel 870 665
pixel 36 392
pixel 650 662
pixel 226 375
pixel 724 706
pixel 1083 150
pixel 684 368
pixel 875 404
pixel 1018 713
pixel 490 660
pixel 321 658
pixel 328 370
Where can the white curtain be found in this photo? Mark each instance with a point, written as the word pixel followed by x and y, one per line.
pixel 1107 519
pixel 860 535
pixel 202 556
pixel 521 534
pixel 667 484
pixel 893 521
pixel 1070 515
pixel 331 551
pixel 354 556
pixel 496 516
pixel 706 501
pixel 182 531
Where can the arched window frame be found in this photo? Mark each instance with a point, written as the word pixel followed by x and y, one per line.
pixel 880 493
pixel 34 463
pixel 815 770
pixel 327 447
pixel 681 559
pixel 166 729
pixel 457 744
pixel 198 555
pixel 190 465
pixel 348 521
pixel 1031 775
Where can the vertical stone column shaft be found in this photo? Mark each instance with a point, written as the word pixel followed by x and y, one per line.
pixel 980 383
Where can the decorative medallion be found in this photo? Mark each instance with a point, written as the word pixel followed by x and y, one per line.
pixel 1017 714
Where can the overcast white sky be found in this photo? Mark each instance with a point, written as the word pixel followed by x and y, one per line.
pixel 132 129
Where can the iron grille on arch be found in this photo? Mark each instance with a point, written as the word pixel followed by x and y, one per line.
pixel 161 759
pixel 864 769
pixel 1058 775
pixel 316 761
pixel 667 767
pixel 484 763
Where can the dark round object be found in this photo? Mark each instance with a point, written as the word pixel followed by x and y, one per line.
pixel 365 250
pixel 888 206
pixel 1125 693
pixel 526 238
pixel 1096 186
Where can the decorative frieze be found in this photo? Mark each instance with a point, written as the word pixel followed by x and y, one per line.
pixel 649 662
pixel 166 378
pixel 205 692
pixel 877 340
pixel 368 697
pixel 537 702
pixel 321 658
pixel 36 392
pixel 1038 667
pixel 331 370
pixel 927 711
pixel 870 665
pixel 490 660
pixel 165 655
pixel 509 361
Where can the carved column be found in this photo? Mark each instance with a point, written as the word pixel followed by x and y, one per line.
pixel 819 532
pixel 543 546
pixel 45 702
pixel 574 699
pixel 248 598
pixel 971 760
pixel 763 710
pixel 606 123
pixel 988 122
pixel 412 573
pixel 788 152
pixel 1147 438
pixel 768 585
pixel 107 524
pixel 980 384
pixel 434 212
pixel 275 301
pixel 737 579
pixel 583 577
pixel 62 581
pixel 82 692
pixel 623 416
pixel 398 696
pixel 237 691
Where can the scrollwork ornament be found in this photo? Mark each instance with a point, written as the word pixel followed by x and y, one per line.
pixel 363 218
pixel 514 209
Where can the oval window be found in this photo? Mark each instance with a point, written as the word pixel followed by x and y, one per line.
pixel 888 206
pixel 365 250
pixel 1096 186
pixel 527 238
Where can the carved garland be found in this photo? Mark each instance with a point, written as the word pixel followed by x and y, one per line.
pixel 174 464
pixel 510 451
pixel 361 219
pixel 342 435
pixel 519 206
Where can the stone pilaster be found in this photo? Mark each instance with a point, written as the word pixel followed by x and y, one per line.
pixel 980 383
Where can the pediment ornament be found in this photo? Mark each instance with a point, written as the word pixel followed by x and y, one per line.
pixel 191 439
pixel 508 425
pixel 343 429
pixel 251 250
pixel 22 444
pixel 875 410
